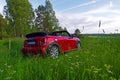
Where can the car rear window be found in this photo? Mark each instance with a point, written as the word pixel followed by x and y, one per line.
pixel 36 34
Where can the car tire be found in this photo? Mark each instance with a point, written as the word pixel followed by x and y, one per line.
pixel 78 46
pixel 53 50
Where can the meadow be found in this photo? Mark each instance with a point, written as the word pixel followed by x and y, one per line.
pixel 98 59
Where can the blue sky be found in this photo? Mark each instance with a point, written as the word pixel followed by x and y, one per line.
pixel 74 14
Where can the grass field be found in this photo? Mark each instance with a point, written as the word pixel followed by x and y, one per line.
pixel 99 59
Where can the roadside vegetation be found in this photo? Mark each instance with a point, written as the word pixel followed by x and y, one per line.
pixel 98 59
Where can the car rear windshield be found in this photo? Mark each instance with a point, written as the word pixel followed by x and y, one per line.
pixel 36 34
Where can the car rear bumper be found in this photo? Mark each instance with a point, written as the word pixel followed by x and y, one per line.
pixel 34 50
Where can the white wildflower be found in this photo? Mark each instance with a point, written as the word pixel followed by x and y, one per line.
pixel 1 70
pixel 95 72
pixel 72 63
pixel 8 78
pixel 5 64
pixel 76 56
pixel 9 66
pixel 109 71
pixel 14 71
pixel 92 67
pixel 66 55
pixel 71 68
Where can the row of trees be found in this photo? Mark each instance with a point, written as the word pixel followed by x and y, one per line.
pixel 21 19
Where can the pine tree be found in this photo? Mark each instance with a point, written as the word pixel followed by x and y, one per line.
pixel 40 17
pixel 46 19
pixel 52 21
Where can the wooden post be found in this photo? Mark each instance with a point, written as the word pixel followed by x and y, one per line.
pixel 9 45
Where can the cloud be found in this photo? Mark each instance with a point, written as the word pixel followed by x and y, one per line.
pixel 110 20
pixel 105 8
pixel 111 3
pixel 80 5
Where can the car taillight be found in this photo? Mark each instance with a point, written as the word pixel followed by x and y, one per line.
pixel 42 42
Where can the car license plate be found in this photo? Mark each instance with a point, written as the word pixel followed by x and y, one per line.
pixel 31 43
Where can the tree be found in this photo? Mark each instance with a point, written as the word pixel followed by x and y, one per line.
pixel 77 32
pixel 46 19
pixel 40 17
pixel 19 14
pixel 65 29
pixel 52 21
pixel 60 28
pixel 9 20
pixel 2 27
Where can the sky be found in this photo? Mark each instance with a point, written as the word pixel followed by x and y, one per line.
pixel 84 14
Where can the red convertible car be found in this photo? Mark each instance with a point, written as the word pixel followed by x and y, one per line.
pixel 41 43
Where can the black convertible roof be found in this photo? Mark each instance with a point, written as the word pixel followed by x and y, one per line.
pixel 53 33
pixel 36 34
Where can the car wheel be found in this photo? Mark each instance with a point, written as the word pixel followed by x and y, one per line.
pixel 78 46
pixel 54 51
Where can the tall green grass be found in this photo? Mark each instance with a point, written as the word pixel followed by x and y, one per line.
pixel 99 59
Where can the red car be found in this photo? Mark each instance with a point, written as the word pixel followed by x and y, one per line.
pixel 54 43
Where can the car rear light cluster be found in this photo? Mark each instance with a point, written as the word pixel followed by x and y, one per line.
pixel 42 41
pixel 35 43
